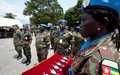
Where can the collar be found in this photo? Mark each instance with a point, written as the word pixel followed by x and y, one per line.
pixel 89 43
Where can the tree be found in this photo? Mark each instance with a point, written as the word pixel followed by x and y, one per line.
pixel 9 15
pixel 73 15
pixel 43 11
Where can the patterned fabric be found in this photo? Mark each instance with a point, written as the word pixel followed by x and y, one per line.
pixel 62 43
pixel 26 37
pixel 87 62
pixel 53 36
pixel 17 37
pixel 76 42
pixel 89 42
pixel 42 40
pixel 42 45
pixel 17 41
pixel 27 51
pixel 26 40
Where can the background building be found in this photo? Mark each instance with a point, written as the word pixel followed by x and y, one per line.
pixel 6 29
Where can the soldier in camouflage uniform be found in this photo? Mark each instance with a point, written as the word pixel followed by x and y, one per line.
pixel 52 32
pixel 62 39
pixel 17 41
pixel 32 29
pixel 26 42
pixel 77 41
pixel 99 55
pixel 42 43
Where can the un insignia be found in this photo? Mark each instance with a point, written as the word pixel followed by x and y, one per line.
pixel 85 3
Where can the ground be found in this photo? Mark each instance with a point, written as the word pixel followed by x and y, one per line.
pixel 11 66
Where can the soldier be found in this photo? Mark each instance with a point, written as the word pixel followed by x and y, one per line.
pixel 26 42
pixel 36 30
pixel 42 43
pixel 62 39
pixel 17 41
pixel 52 32
pixel 77 41
pixel 99 55
pixel 32 29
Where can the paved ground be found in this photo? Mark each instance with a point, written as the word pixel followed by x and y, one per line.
pixel 11 66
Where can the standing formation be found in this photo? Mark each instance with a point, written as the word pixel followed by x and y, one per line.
pixel 22 41
pixel 59 38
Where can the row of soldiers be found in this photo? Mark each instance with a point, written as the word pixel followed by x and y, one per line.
pixel 22 40
pixel 62 41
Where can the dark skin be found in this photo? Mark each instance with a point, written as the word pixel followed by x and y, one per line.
pixel 89 27
pixel 62 26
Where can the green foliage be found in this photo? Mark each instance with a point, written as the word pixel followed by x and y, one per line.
pixel 9 15
pixel 73 15
pixel 43 11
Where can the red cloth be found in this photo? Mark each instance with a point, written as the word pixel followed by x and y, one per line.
pixel 47 66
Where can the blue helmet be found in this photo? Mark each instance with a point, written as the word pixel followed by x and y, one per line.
pixel 64 22
pixel 42 26
pixel 77 28
pixel 112 5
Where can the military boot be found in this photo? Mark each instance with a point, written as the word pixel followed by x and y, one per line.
pixel 28 62
pixel 19 56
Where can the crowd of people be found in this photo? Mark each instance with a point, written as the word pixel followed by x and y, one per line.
pixel 62 41
pixel 98 53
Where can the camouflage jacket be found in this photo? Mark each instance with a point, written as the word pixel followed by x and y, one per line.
pixel 64 41
pixel 26 37
pixel 17 37
pixel 42 40
pixel 77 40
pixel 87 62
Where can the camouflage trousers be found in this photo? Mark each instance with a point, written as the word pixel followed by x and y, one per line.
pixel 42 54
pixel 27 51
pixel 18 49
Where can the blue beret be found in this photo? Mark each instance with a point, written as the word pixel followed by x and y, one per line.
pixel 113 5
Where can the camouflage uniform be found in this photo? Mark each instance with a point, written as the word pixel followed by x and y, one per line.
pixel 36 31
pixel 76 42
pixel 17 41
pixel 52 36
pixel 32 28
pixel 62 43
pixel 42 45
pixel 87 62
pixel 26 38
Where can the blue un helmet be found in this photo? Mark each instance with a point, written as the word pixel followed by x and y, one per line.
pixel 42 27
pixel 112 5
pixel 64 22
pixel 77 28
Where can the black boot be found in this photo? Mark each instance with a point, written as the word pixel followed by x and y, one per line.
pixel 28 62
pixel 24 62
pixel 16 56
pixel 19 57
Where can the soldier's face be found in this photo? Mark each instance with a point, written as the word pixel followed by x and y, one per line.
pixel 62 26
pixel 88 26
